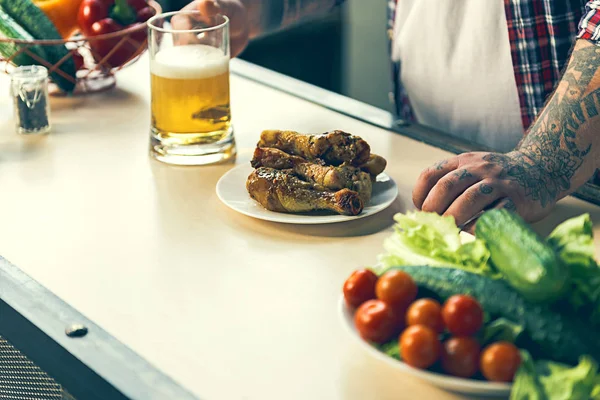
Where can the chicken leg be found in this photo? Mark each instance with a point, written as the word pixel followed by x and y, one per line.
pixel 279 190
pixel 334 178
pixel 336 147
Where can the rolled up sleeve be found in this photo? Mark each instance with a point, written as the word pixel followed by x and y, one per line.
pixel 589 25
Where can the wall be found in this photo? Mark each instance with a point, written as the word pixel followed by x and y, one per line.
pixel 344 51
pixel 309 51
pixel 366 66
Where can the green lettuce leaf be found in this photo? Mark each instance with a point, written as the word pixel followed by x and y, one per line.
pixel 422 238
pixel 573 241
pixel 549 380
pixel 391 348
pixel 562 382
pixel 501 329
pixel 526 385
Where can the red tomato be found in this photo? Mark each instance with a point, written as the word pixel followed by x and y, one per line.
pixel 360 287
pixel 460 356
pixel 396 288
pixel 426 312
pixel 376 321
pixel 420 346
pixel 500 361
pixel 462 315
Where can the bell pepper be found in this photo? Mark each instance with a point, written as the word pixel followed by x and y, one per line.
pixel 100 17
pixel 62 13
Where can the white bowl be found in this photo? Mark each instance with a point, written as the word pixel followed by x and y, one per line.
pixel 446 382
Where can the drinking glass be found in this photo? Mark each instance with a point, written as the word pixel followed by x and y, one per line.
pixel 189 67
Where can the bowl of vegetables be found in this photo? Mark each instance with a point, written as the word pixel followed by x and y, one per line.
pixel 434 342
pixel 82 43
pixel 507 313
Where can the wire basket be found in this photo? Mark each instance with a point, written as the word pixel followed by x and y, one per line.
pixel 95 71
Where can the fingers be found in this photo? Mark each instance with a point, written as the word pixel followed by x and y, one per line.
pixel 208 8
pixel 447 189
pixel 239 29
pixel 181 22
pixel 502 203
pixel 475 199
pixel 506 204
pixel 429 178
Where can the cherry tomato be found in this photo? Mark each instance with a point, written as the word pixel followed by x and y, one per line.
pixel 500 361
pixel 462 315
pixel 360 287
pixel 396 288
pixel 420 346
pixel 426 312
pixel 376 321
pixel 460 356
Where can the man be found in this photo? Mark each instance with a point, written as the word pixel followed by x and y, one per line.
pixel 482 70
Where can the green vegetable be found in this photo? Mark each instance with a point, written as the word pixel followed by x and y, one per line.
pixel 526 385
pixel 391 348
pixel 9 28
pixel 526 261
pixel 573 241
pixel 552 335
pixel 501 329
pixel 34 21
pixel 548 380
pixel 422 238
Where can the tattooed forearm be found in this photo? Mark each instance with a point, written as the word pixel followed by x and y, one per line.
pixel 554 157
pixel 277 14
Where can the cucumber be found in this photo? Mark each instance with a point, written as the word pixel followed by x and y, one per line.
pixel 10 29
pixel 34 21
pixel 555 336
pixel 526 261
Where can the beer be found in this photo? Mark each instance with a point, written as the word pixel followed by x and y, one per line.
pixel 189 68
pixel 190 95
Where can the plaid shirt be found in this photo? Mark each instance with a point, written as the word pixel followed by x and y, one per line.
pixel 541 33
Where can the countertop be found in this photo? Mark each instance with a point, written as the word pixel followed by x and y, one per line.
pixel 228 306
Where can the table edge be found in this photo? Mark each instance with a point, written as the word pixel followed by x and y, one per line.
pixel 96 366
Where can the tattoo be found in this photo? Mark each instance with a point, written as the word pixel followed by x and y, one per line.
pixel 552 152
pixel 463 174
pixel 510 205
pixel 440 166
pixel 485 189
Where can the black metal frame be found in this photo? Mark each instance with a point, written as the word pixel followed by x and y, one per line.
pixel 97 366
pixel 373 115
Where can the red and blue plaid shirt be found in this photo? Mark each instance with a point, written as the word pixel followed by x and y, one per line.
pixel 541 33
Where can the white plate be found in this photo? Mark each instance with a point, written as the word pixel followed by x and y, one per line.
pixel 457 385
pixel 231 190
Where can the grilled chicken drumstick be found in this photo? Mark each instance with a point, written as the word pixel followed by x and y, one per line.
pixel 280 191
pixel 336 147
pixel 375 165
pixel 334 178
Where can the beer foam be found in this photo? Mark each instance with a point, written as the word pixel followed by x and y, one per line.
pixel 195 61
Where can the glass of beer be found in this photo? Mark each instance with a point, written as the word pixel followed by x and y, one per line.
pixel 189 67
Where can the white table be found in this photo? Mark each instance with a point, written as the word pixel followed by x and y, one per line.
pixel 228 306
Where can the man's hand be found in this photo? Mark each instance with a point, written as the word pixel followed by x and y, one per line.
pixel 239 25
pixel 560 153
pixel 464 185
